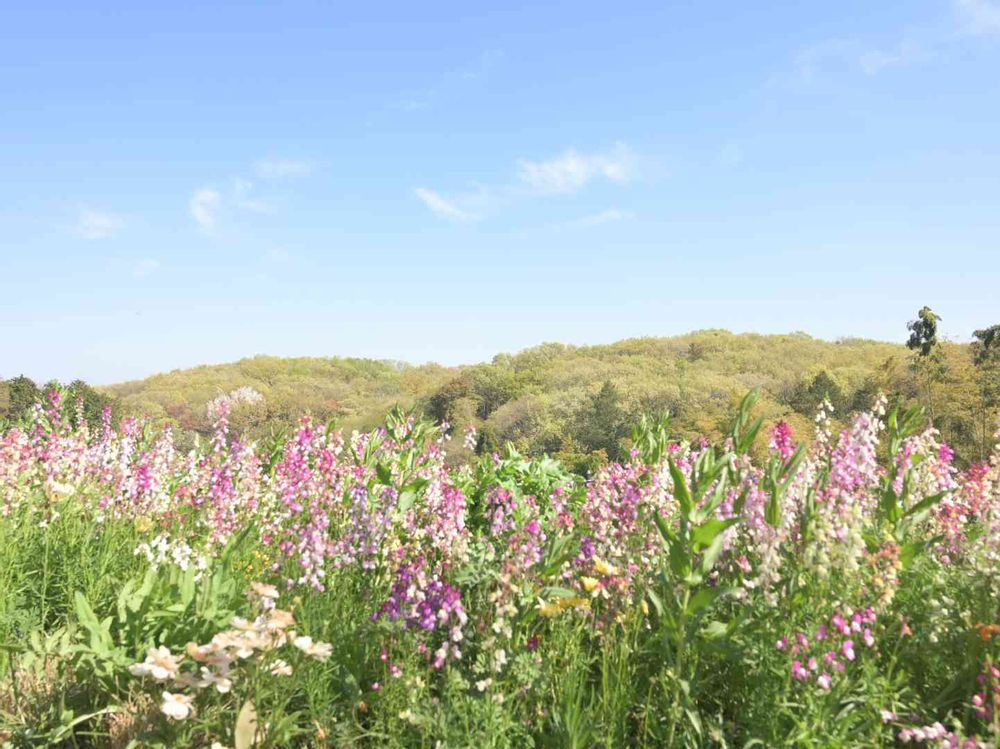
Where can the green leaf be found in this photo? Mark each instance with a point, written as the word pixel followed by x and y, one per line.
pixel 705 598
pixel 681 491
pixel 384 474
pixel 554 591
pixel 406 500
pixel 747 440
pixel 711 555
pixel 680 560
pixel 925 504
pixel 706 533
pixel 84 613
pixel 661 525
pixel 714 630
pixel 910 551
pixel 654 598
pixel 772 512
pixel 188 586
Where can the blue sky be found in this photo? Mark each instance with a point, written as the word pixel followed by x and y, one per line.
pixel 188 183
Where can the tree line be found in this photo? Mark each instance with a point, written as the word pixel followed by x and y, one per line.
pixel 580 403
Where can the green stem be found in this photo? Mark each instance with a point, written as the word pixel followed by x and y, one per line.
pixel 679 664
pixel 45 578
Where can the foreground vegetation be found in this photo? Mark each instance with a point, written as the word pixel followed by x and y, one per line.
pixel 359 590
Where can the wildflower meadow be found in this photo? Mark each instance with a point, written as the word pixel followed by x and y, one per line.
pixel 324 589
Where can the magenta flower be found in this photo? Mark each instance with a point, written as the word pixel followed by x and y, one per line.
pixel 798 672
pixel 848 649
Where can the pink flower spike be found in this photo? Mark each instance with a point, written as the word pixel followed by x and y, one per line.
pixel 848 649
pixel 798 672
pixel 823 681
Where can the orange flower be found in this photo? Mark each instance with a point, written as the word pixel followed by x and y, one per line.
pixel 986 631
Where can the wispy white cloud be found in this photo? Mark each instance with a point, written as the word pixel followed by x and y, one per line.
pixel 444 207
pixel 609 216
pixel 980 17
pixel 809 61
pixel 449 82
pixel 145 267
pixel 205 206
pixel 275 168
pixel 876 60
pixel 210 204
pixel 835 56
pixel 244 199
pixel 913 45
pixel 94 225
pixel 571 170
pixel 566 173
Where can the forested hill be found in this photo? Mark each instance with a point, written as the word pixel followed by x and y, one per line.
pixel 579 401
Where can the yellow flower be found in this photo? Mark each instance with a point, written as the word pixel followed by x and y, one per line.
pixel 590 584
pixel 143 524
pixel 603 568
pixel 548 610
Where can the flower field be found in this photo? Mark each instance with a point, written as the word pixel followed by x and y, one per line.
pixel 838 589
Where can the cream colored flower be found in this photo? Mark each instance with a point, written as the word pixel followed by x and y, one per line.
pixel 242 624
pixel 263 590
pixel 280 668
pixel 58 489
pixel 177 706
pixel 279 619
pixel 159 664
pixel 318 650
pixel 213 654
pixel 218 679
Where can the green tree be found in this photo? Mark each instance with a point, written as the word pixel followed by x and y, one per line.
pixel 923 331
pixel 986 347
pixel 93 402
pixel 986 357
pixel 23 394
pixel 441 404
pixel 602 424
pixel 810 393
pixel 493 386
pixel 928 365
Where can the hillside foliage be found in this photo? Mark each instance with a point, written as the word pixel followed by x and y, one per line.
pixel 578 402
